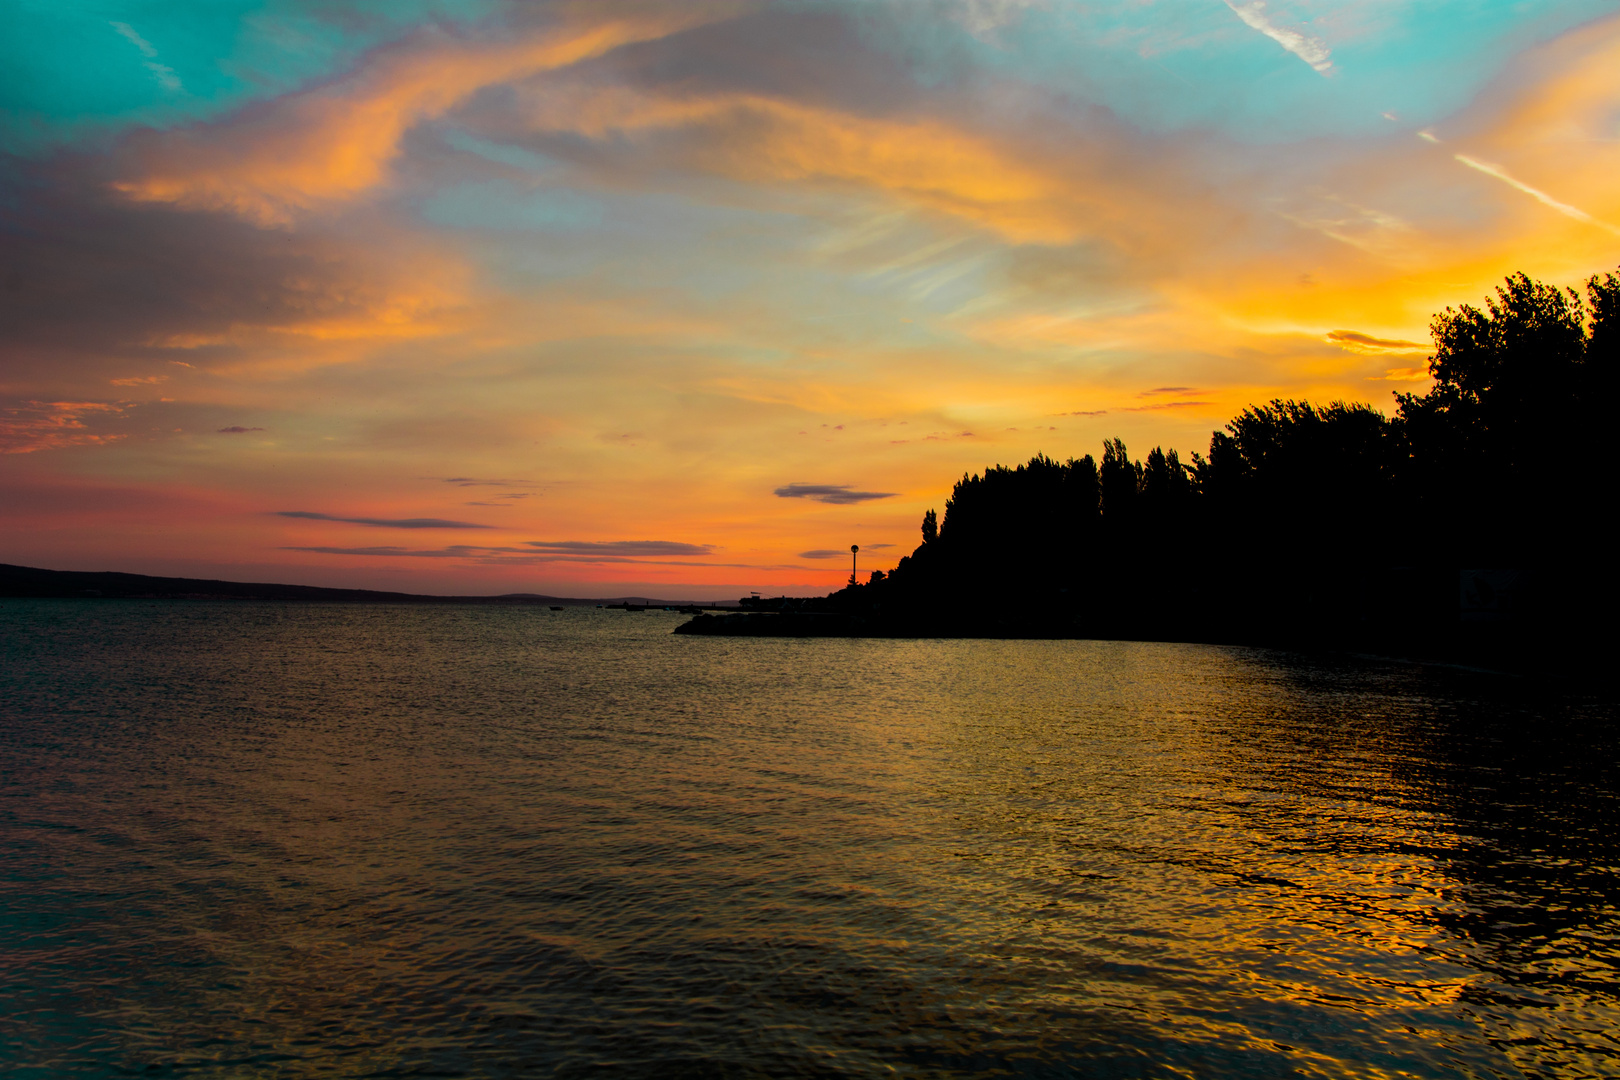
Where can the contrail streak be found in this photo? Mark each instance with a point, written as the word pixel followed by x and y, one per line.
pixel 1540 196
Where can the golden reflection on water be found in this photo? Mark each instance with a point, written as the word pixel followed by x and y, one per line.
pixel 259 841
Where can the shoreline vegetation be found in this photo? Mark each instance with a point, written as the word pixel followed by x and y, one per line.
pixel 1464 528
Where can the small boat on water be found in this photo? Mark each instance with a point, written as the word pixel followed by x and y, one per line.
pixel 556 607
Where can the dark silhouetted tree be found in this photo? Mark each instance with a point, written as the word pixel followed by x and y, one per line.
pixel 1504 379
pixel 1303 516
pixel 1120 480
pixel 1506 439
pixel 1601 369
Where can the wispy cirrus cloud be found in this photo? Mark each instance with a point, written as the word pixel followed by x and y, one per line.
pixel 1307 48
pixel 478 481
pixel 383 523
pixel 163 73
pixel 839 553
pixel 1163 405
pixel 1355 341
pixel 525 556
pixel 836 494
pixel 941 167
pixel 627 548
pixel 982 18
pixel 1405 374
pixel 454 551
pixel 339 139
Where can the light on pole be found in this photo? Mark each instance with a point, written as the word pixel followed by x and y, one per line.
pixel 854 550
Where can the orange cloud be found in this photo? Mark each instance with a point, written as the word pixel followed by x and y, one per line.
pixel 921 161
pixel 337 310
pixel 338 141
pixel 50 425
pixel 1355 341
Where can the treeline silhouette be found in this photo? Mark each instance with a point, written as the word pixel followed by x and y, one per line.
pixel 1478 512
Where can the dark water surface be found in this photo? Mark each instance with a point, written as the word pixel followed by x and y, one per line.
pixel 244 840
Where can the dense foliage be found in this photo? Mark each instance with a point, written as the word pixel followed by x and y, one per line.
pixel 1305 517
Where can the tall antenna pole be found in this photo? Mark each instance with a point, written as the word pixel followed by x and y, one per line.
pixel 854 549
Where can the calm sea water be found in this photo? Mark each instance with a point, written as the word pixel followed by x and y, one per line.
pixel 245 840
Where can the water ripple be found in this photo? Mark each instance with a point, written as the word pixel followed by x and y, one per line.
pixel 247 840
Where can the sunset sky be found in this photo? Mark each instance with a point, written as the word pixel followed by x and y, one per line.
pixel 683 298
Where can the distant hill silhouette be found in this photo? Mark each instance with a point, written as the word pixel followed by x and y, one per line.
pixel 1474 522
pixel 26 581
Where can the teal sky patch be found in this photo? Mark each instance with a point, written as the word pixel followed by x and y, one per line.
pixel 1171 65
pixel 70 71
